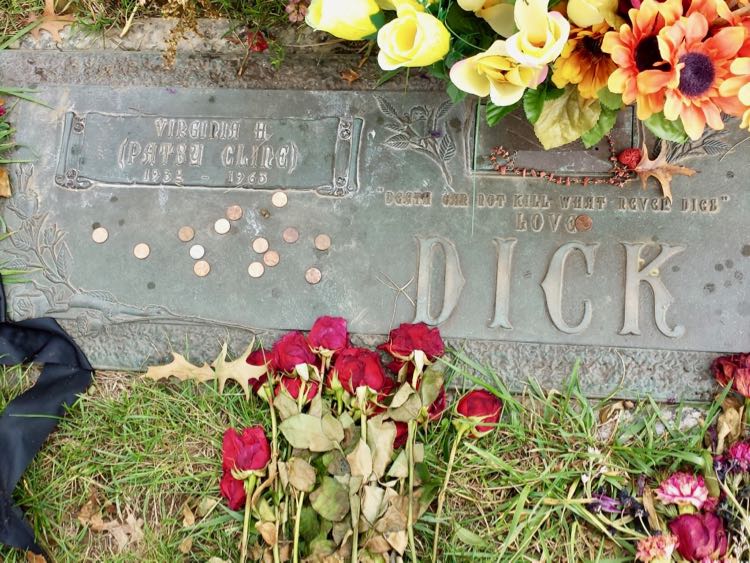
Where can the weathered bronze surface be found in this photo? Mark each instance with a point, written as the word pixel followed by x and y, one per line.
pixel 525 274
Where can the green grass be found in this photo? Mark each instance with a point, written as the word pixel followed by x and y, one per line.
pixel 516 494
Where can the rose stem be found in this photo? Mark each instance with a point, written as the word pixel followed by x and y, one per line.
pixel 249 487
pixel 300 501
pixel 363 438
pixel 274 460
pixel 443 489
pixel 412 425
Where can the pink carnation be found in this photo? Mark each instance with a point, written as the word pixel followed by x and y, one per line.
pixel 656 548
pixel 683 489
pixel 739 453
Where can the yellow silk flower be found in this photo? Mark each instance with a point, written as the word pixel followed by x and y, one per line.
pixel 347 19
pixel 496 74
pixel 541 36
pixel 587 13
pixel 497 13
pixel 413 39
pixel 394 4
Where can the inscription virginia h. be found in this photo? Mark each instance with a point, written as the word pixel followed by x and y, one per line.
pixel 524 273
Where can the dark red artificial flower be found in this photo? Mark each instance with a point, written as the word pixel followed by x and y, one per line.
pixel 699 536
pixel 733 367
pixel 248 451
pixel 291 350
pixel 233 490
pixel 329 333
pixel 404 340
pixel 358 367
pixel 481 406
pixel 259 357
pixel 630 158
pixel 293 386
pixel 402 434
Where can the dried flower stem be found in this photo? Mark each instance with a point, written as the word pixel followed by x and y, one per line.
pixel 274 461
pixel 412 426
pixel 444 488
pixel 249 488
pixel 295 549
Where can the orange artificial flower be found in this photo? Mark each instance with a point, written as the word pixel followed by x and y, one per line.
pixel 583 62
pixel 739 86
pixel 643 74
pixel 700 64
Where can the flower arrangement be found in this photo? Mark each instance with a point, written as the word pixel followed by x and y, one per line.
pixel 340 473
pixel 572 66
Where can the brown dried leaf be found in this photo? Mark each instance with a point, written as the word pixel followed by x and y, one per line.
pixel 206 506
pixel 301 474
pixel 268 531
pixel 188 517
pixel 51 22
pixel 648 504
pixel 180 368
pixel 35 558
pixel 729 424
pixel 660 169
pixel 186 546
pixel 4 183
pixel 350 75
pixel 237 370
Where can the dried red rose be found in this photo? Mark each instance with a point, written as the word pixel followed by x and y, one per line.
pixel 437 408
pixel 735 367
pixel 293 386
pixel 402 434
pixel 259 357
pixel 291 350
pixel 329 333
pixel 248 451
pixel 482 408
pixel 407 338
pixel 257 42
pixel 233 490
pixel 358 367
pixel 699 536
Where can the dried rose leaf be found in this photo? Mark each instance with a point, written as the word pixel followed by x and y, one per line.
pixel 51 22
pixel 180 368
pixel 661 170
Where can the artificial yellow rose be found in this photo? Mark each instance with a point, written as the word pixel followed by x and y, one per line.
pixel 394 4
pixel 414 38
pixel 497 75
pixel 587 13
pixel 497 13
pixel 541 35
pixel 347 19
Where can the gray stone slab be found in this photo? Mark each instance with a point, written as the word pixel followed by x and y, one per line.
pixel 645 298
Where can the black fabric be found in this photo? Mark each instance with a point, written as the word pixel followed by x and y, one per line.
pixel 30 418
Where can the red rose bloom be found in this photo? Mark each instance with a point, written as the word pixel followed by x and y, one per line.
pixel 734 367
pixel 699 536
pixel 402 433
pixel 291 350
pixel 293 385
pixel 248 451
pixel 259 358
pixel 438 405
pixel 359 367
pixel 404 340
pixel 481 406
pixel 329 333
pixel 233 490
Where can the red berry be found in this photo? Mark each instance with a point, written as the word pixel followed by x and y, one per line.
pixel 630 158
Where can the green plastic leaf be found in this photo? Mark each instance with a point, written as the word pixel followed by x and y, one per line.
pixel 609 99
pixel 533 100
pixel 564 119
pixel 666 129
pixel 306 433
pixel 331 500
pixel 607 120
pixel 495 113
pixel 455 94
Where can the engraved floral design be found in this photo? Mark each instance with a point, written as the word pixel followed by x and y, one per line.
pixel 421 130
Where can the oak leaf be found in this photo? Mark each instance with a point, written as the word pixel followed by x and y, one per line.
pixel 4 183
pixel 238 370
pixel 182 369
pixel 660 169
pixel 51 22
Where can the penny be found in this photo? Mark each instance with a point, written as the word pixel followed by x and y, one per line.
pixel 100 235
pixel 255 270
pixel 271 258
pixel 222 226
pixel 322 242
pixel 260 245
pixel 584 223
pixel 186 234
pixel 279 199
pixel 313 276
pixel 201 268
pixel 141 251
pixel 197 252
pixel 290 235
pixel 234 212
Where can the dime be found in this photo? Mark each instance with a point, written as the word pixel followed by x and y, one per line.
pixel 141 251
pixel 201 268
pixel 234 212
pixel 260 245
pixel 290 235
pixel 255 270
pixel 197 252
pixel 186 234
pixel 313 276
pixel 322 242
pixel 222 226
pixel 279 199
pixel 271 258
pixel 100 235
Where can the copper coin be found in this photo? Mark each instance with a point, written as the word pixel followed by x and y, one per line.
pixel 234 213
pixel 201 268
pixel 255 270
pixel 322 242
pixel 313 276
pixel 584 223
pixel 222 226
pixel 271 258
pixel 141 251
pixel 279 199
pixel 100 235
pixel 260 245
pixel 186 234
pixel 290 235
pixel 197 252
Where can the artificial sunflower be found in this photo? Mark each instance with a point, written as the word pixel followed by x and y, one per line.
pixel 583 62
pixel 700 63
pixel 642 74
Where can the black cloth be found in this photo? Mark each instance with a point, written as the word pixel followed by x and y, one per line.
pixel 31 417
